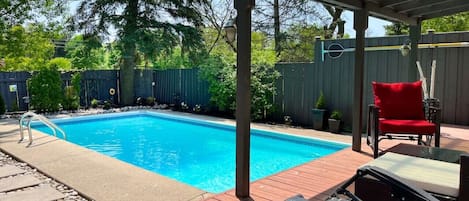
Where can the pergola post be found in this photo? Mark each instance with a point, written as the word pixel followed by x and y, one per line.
pixel 360 24
pixel 415 34
pixel 243 96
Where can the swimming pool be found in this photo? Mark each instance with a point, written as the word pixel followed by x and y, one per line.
pixel 195 152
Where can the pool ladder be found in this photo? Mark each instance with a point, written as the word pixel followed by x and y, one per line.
pixel 28 117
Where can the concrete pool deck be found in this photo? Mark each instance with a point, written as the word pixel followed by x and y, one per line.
pixel 100 177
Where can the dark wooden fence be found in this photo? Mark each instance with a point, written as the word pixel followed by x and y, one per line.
pixel 181 85
pixel 163 85
pixel 14 97
pixel 301 83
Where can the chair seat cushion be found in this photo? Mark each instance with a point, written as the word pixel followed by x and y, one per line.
pixel 406 126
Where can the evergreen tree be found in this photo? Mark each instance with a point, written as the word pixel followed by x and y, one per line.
pixel 137 21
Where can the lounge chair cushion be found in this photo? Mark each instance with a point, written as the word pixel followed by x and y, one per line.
pixel 430 175
pixel 401 100
pixel 406 126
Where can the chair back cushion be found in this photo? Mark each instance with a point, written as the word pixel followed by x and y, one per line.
pixel 401 100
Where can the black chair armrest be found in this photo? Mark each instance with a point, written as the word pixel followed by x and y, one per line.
pixel 434 114
pixel 464 178
pixel 372 128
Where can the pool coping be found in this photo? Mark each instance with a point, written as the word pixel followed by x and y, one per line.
pixel 100 177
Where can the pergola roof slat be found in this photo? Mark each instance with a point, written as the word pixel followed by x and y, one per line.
pixel 392 3
pixel 446 12
pixel 434 8
pixel 415 6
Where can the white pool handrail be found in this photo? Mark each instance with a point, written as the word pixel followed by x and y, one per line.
pixel 31 116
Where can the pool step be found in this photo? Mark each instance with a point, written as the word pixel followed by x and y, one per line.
pixel 10 170
pixel 18 182
pixel 41 193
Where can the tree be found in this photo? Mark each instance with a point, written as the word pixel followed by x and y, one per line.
pixel 26 48
pixel 272 16
pixel 175 21
pixel 397 29
pixel 20 11
pixel 216 15
pixel 114 55
pixel 299 46
pixel 457 22
pixel 335 13
pixel 85 53
pixel 63 64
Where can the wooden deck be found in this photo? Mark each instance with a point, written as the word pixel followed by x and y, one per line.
pixel 317 179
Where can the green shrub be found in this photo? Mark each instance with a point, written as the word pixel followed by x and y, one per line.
pixel 94 103
pixel 45 88
pixel 14 106
pixel 2 105
pixel 321 102
pixel 107 105
pixel 72 94
pixel 336 114
pixel 76 83
pixel 150 101
pixel 222 86
pixel 71 99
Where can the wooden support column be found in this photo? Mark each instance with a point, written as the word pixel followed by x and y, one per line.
pixel 415 34
pixel 243 96
pixel 360 24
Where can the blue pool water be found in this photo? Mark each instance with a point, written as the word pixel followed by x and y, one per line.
pixel 198 153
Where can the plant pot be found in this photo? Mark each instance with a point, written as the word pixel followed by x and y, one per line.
pixel 319 119
pixel 334 125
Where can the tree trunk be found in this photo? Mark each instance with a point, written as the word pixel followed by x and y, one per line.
pixel 277 28
pixel 128 68
pixel 127 72
pixel 335 13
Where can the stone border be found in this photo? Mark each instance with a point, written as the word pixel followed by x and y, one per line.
pixel 70 194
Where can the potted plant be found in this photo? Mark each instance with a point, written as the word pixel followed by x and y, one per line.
pixel 319 113
pixel 335 121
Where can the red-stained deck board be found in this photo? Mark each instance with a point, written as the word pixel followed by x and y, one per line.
pixel 313 180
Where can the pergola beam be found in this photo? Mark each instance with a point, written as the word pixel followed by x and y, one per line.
pixel 360 24
pixel 415 33
pixel 243 96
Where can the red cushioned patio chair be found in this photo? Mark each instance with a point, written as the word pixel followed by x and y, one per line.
pixel 399 113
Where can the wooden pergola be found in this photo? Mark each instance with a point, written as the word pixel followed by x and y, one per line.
pixel 412 12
